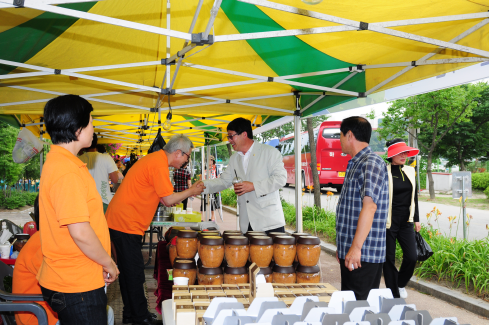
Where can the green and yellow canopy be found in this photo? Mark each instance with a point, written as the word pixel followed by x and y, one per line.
pixel 263 60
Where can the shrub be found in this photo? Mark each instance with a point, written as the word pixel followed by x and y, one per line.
pixel 30 197
pixel 480 181
pixel 229 197
pixel 15 200
pixel 486 192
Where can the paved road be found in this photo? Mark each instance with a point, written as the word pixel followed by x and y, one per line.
pixel 477 228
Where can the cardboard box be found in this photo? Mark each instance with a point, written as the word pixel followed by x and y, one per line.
pixel 327 287
pixel 261 289
pixel 200 308
pixel 182 298
pixel 212 289
pixel 232 292
pixel 185 315
pixel 244 287
pixel 324 297
pixel 294 286
pixel 216 294
pixel 229 287
pixel 200 298
pixel 187 217
pixel 244 302
pixel 179 304
pixel 196 288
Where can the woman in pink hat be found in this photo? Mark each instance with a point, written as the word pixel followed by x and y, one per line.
pixel 403 211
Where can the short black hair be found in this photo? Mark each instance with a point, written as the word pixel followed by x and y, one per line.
pixel 65 115
pixel 390 143
pixel 36 211
pixel 94 142
pixel 101 148
pixel 240 125
pixel 359 126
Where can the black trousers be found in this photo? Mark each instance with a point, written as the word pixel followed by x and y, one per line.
pixel 131 278
pixel 399 279
pixel 279 229
pixel 362 279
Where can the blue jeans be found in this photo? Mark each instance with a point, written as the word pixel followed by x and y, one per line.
pixel 78 308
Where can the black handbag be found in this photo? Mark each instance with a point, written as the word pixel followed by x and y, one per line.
pixel 423 248
pixel 158 143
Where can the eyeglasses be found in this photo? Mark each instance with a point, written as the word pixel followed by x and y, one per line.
pixel 230 137
pixel 188 157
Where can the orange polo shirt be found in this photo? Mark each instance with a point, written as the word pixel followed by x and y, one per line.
pixel 24 280
pixel 68 195
pixel 134 204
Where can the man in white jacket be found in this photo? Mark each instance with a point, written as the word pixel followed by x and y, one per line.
pixel 263 173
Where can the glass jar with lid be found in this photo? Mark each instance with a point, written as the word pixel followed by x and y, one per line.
pixel 211 251
pixel 284 250
pixel 237 251
pixel 261 250
pixel 210 276
pixel 308 274
pixel 283 274
pixel 187 243
pixel 296 235
pixel 236 275
pixel 308 250
pixel 185 268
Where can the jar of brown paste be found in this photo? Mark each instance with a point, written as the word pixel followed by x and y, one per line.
pixel 283 274
pixel 308 250
pixel 211 251
pixel 210 276
pixel 236 275
pixel 307 274
pixel 267 272
pixel 172 250
pixel 261 250
pixel 296 235
pixel 187 243
pixel 237 251
pixel 284 250
pixel 185 268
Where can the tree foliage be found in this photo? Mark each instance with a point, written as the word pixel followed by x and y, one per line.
pixel 434 113
pixel 10 172
pixel 288 128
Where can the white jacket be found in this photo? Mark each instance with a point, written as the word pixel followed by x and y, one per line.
pixel 262 207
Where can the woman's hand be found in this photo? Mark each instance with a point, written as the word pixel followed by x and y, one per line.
pixel 417 226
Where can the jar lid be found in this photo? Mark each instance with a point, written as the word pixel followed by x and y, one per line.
pixel 231 231
pixel 187 234
pixel 307 269
pixel 265 270
pixel 211 240
pixel 283 269
pixel 308 240
pixel 275 234
pixel 284 240
pixel 22 236
pixel 235 270
pixel 261 240
pixel 207 233
pixel 210 270
pixel 229 234
pixel 296 235
pixel 237 240
pixel 184 264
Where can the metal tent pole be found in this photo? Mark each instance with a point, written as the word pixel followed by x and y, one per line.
pixel 41 157
pixel 298 171
pixel 208 176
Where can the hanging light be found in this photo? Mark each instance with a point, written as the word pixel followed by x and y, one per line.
pixel 167 124
pixel 312 2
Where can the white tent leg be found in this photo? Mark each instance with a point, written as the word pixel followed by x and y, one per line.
pixel 208 176
pixel 298 172
pixel 202 165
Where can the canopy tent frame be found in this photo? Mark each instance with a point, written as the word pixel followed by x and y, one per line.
pixel 192 41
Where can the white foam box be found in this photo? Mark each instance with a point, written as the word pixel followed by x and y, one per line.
pixel 200 308
pixel 185 315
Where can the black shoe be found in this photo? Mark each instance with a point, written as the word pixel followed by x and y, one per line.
pixel 147 321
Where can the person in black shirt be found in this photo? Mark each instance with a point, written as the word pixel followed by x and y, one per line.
pixel 403 211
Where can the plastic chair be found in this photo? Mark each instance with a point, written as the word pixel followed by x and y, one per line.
pixel 30 228
pixel 7 307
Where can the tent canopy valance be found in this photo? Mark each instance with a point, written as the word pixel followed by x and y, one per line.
pixel 213 61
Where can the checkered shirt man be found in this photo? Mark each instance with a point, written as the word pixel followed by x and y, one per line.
pixel 181 177
pixel 366 175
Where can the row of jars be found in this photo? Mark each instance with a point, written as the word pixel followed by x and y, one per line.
pixel 237 275
pixel 254 246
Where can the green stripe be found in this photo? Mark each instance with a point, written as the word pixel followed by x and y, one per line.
pixel 290 55
pixel 21 43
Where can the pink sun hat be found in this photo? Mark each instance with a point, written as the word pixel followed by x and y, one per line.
pixel 399 147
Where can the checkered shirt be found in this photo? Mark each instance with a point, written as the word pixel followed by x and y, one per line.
pixel 181 177
pixel 366 175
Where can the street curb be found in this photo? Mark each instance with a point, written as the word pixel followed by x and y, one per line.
pixel 474 305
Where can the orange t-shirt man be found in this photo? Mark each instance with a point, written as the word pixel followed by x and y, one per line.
pixel 134 204
pixel 24 280
pixel 68 194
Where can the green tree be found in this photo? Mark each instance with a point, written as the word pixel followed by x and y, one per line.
pixel 288 128
pixel 434 113
pixel 467 140
pixel 10 172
